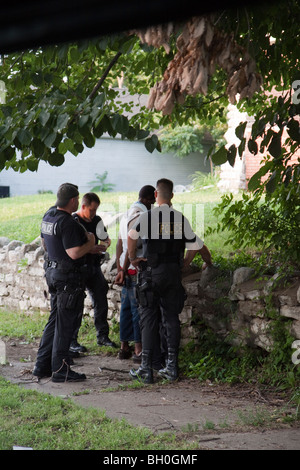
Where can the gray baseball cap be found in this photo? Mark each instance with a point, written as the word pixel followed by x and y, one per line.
pixel 65 192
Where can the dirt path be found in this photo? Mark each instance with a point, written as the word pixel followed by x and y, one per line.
pixel 216 416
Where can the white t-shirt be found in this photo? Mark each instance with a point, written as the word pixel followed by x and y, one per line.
pixel 126 222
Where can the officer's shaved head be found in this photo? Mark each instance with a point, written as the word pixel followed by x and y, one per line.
pixel 165 188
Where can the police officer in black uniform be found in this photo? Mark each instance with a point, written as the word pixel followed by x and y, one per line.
pixel 96 283
pixel 165 234
pixel 66 244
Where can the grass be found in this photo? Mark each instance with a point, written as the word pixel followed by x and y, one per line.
pixel 20 216
pixel 43 422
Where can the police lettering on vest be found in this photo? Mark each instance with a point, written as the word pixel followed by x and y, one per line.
pixel 61 232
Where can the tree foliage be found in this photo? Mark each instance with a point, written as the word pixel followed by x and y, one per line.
pixel 61 98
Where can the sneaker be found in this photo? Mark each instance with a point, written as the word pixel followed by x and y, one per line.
pixel 75 347
pixel 69 376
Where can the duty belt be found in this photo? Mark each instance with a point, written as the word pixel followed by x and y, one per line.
pixel 66 267
pixel 52 264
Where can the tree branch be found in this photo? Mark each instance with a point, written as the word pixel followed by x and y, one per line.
pixel 98 85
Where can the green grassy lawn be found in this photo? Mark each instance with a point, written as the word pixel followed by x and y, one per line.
pixel 43 422
pixel 20 216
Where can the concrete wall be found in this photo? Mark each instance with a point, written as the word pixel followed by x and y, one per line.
pixel 129 165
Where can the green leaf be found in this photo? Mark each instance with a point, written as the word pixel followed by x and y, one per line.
pixel 83 120
pixel 293 130
pixel 255 180
pixel 79 148
pixel 252 146
pixel 62 52
pixel 32 164
pixel 220 156
pixel 231 154
pixel 275 145
pixel 48 141
pixel 9 153
pixel 38 147
pixel 142 134
pixel 62 121
pixel 240 130
pixel 24 136
pixel 74 54
pixel 272 183
pixel 89 140
pixel 56 159
pixel 37 78
pixel 122 125
pixel 151 143
pixel 99 100
pixel 44 117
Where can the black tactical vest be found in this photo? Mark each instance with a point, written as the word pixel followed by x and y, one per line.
pixel 52 234
pixel 168 245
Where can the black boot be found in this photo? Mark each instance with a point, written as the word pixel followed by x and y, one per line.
pixel 144 373
pixel 170 372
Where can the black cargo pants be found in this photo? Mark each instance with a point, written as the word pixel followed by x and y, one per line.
pixel 161 291
pixel 97 288
pixel 67 298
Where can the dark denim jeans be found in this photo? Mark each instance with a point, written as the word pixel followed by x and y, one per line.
pixel 129 314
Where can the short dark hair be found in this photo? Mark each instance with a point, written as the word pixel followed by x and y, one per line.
pixel 88 198
pixel 65 192
pixel 146 192
pixel 165 187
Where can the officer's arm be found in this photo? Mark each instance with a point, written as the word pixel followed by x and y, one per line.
pixel 77 252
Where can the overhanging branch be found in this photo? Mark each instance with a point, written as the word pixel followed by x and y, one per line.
pixel 110 66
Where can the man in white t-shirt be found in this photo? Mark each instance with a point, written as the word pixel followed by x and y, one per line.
pixel 127 277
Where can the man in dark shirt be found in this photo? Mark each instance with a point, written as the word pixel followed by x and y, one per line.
pixel 165 235
pixel 66 244
pixel 96 283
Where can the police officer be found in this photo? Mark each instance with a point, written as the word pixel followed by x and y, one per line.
pixel 66 243
pixel 165 234
pixel 96 283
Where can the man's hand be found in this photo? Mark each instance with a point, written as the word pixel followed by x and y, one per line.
pixel 120 278
pixel 136 261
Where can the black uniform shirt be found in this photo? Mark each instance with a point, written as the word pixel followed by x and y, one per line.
pixel 61 232
pixel 164 230
pixel 95 226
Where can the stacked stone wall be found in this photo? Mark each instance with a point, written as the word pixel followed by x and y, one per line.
pixel 236 306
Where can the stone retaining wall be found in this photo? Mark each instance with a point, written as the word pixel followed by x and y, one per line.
pixel 234 305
